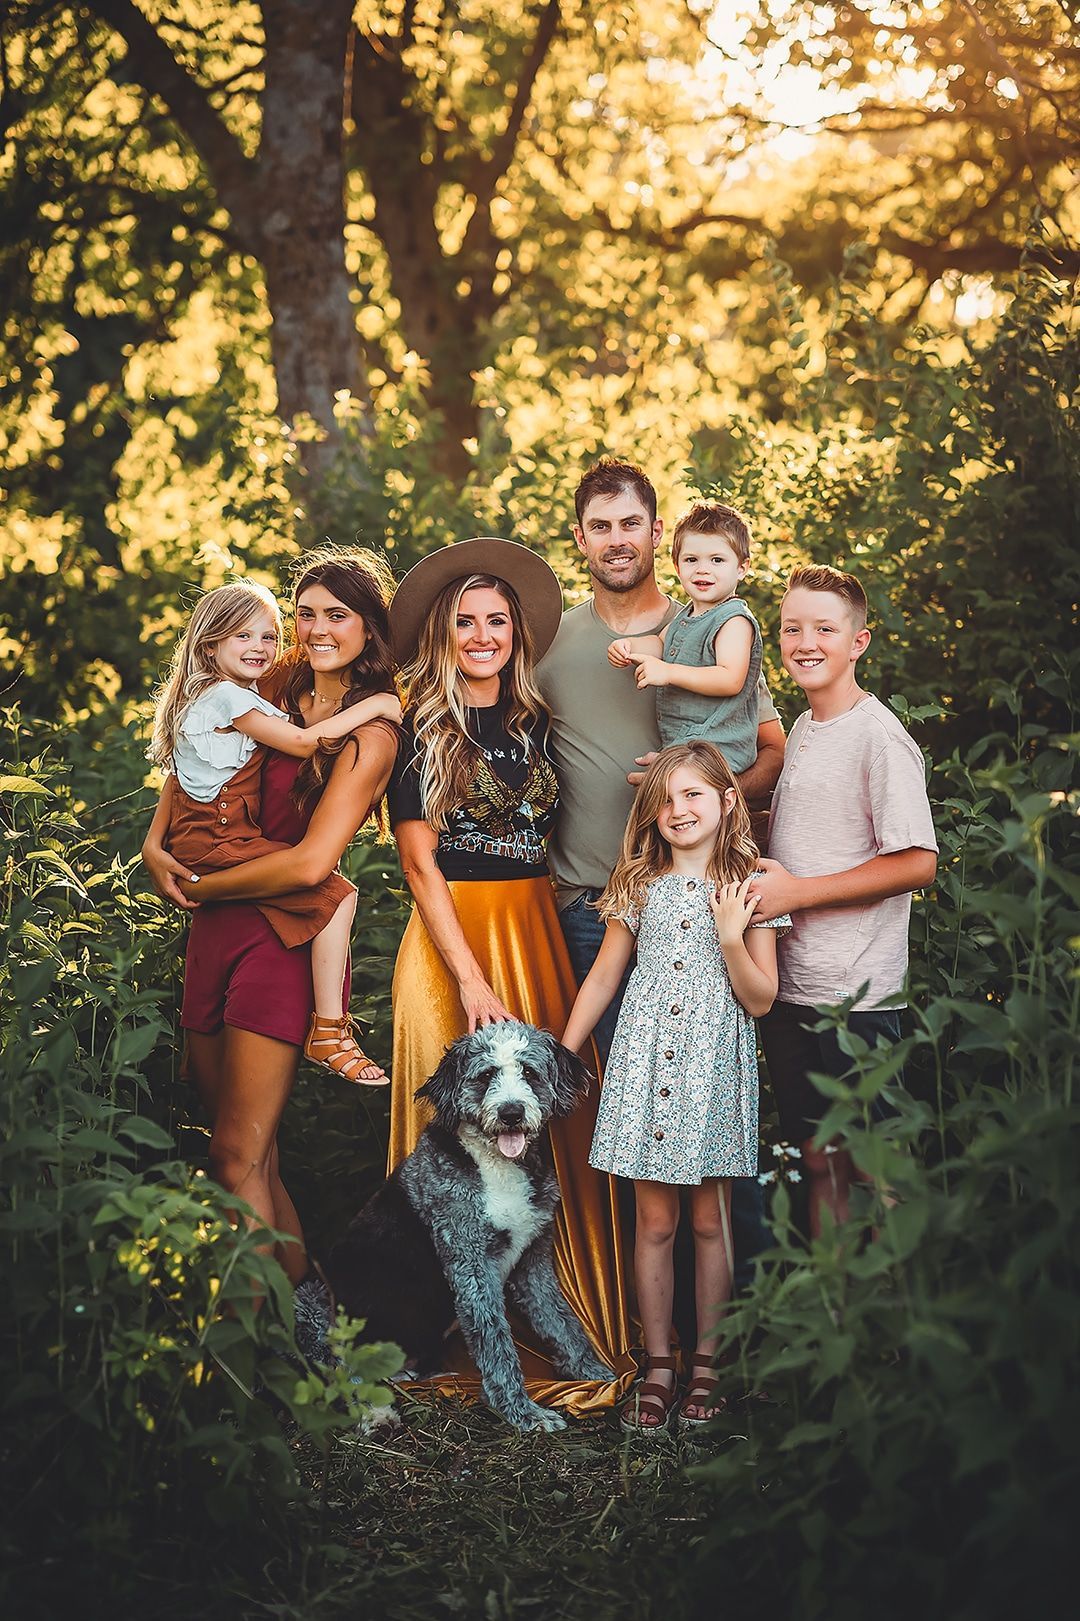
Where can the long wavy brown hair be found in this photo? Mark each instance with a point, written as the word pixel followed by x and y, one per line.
pixel 438 697
pixel 645 853
pixel 362 581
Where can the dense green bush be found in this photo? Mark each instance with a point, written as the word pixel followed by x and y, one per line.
pixel 141 1392
pixel 920 1447
pixel 946 475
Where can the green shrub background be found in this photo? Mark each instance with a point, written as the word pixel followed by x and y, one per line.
pixel 923 1435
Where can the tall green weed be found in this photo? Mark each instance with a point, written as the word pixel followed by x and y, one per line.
pixel 919 1449
pixel 142 1395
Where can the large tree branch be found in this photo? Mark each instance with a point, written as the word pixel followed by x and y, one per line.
pixel 987 256
pixel 502 154
pixel 484 180
pixel 158 71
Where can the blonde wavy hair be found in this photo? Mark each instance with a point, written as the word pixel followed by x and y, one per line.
pixel 219 614
pixel 437 697
pixel 645 854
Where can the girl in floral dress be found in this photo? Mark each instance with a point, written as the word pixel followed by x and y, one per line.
pixel 679 1104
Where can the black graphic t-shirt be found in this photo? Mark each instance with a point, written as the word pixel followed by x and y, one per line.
pixel 499 831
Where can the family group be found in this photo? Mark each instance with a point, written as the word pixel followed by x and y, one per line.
pixel 579 801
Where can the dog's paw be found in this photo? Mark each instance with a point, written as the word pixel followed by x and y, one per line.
pixel 380 1423
pixel 535 1417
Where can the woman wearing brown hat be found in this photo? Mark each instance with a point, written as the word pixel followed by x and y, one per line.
pixel 471 802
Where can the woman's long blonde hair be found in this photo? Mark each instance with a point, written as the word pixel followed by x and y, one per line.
pixel 645 854
pixel 438 697
pixel 218 615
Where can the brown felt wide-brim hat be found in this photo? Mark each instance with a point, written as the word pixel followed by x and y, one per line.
pixel 530 575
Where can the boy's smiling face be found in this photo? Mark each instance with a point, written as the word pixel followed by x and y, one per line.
pixel 820 641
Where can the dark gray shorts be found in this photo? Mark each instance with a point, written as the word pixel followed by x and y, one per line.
pixel 793 1049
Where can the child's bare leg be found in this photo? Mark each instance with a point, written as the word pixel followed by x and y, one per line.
pixel 330 957
pixel 828 1172
pixel 330 1040
pixel 714 1267
pixel 654 1276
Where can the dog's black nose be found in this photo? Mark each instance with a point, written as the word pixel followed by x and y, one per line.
pixel 511 1115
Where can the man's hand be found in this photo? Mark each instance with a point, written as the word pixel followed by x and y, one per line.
pixel 775 890
pixel 651 671
pixel 636 778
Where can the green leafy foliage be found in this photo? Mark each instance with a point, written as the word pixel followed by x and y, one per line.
pixel 948 478
pixel 921 1432
pixel 143 1391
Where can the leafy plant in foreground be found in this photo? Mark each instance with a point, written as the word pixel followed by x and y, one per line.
pixel 143 1393
pixel 920 1443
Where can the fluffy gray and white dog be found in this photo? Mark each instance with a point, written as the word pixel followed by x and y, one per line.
pixel 464 1225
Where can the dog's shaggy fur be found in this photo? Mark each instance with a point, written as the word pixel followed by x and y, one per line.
pixel 465 1223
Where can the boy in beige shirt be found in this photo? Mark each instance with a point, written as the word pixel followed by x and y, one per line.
pixel 850 837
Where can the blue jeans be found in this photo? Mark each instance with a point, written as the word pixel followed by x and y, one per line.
pixel 583 931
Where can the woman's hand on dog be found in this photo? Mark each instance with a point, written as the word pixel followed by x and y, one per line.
pixel 481 1004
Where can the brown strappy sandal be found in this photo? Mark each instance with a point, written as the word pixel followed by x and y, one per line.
pixel 703 1392
pixel 330 1044
pixel 650 1400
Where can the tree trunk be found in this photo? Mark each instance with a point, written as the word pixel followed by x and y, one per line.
pixel 438 322
pixel 302 224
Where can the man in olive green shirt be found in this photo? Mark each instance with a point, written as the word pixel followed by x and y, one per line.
pixel 603 726
pixel 602 723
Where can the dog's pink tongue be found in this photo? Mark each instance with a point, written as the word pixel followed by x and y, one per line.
pixel 512 1144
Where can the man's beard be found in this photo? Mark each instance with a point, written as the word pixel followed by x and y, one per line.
pixel 621 582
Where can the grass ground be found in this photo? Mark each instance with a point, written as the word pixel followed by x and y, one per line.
pixel 454 1515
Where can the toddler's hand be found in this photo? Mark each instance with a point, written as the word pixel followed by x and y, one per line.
pixel 388 707
pixel 619 653
pixel 732 909
pixel 651 671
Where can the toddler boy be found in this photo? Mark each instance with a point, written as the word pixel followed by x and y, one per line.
pixel 706 662
pixel 850 837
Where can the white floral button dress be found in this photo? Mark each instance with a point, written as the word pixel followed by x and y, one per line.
pixel 679 1101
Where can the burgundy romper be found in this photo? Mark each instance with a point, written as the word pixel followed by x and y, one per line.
pixel 238 971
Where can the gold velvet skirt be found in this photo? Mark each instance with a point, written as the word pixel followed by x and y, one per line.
pixel 512 927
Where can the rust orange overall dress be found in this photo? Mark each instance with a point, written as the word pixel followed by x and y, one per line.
pixel 224 832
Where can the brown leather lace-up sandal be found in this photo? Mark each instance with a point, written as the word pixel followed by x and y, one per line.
pixel 649 1407
pixel 702 1392
pixel 331 1045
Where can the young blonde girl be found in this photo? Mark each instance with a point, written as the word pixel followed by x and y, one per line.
pixel 209 724
pixel 679 1103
